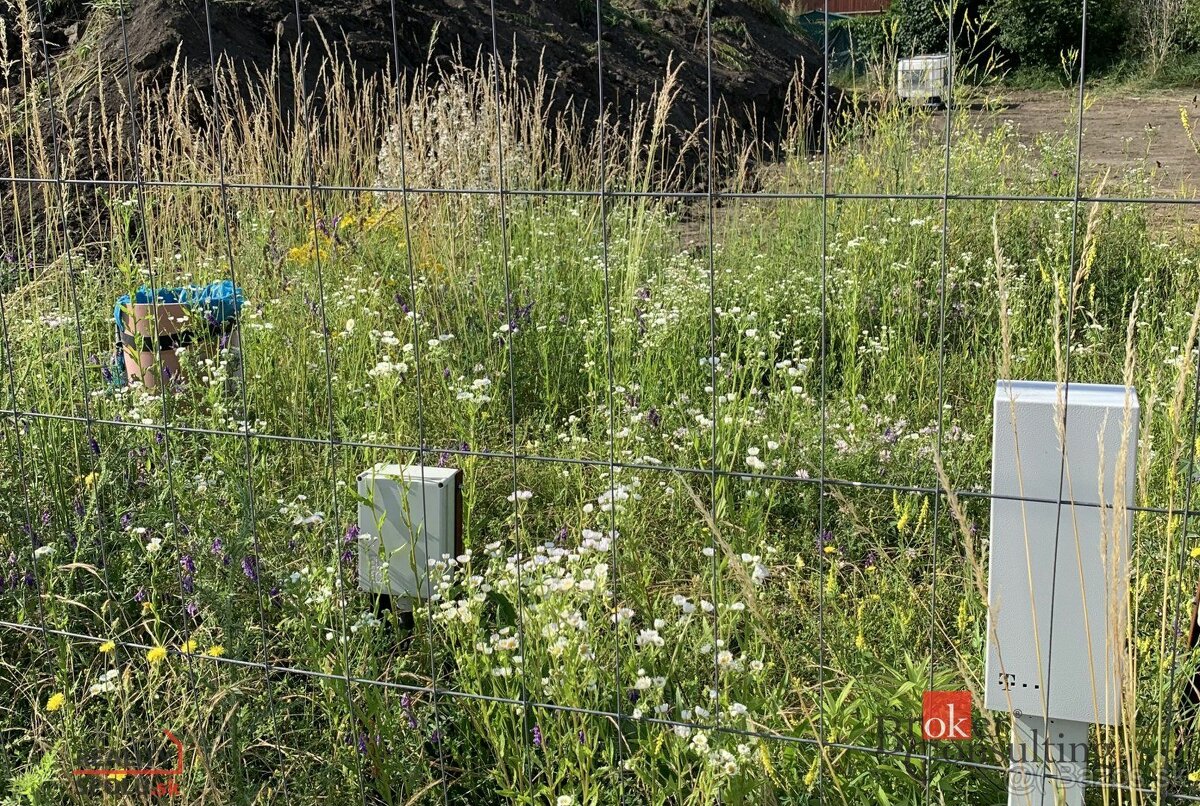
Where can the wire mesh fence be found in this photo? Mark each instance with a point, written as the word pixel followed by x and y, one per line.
pixel 721 411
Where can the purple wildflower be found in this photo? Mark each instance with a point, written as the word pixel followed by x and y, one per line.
pixel 250 567
pixel 140 596
pixel 192 609
pixel 537 735
pixel 188 583
pixel 406 704
pixel 187 563
pixel 352 532
pixel 653 417
pixel 94 446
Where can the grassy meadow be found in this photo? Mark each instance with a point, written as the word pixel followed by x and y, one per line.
pixel 660 603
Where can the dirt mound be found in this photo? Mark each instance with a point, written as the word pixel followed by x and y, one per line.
pixel 98 55
pixel 755 53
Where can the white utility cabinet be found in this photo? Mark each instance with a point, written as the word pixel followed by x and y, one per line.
pixel 407 516
pixel 1058 572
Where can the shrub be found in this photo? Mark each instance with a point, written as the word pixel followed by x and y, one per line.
pixel 1038 32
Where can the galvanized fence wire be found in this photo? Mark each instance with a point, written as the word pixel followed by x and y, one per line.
pixel 417 348
pixel 18 418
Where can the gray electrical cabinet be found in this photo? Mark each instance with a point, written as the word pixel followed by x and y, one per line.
pixel 1058 573
pixel 407 516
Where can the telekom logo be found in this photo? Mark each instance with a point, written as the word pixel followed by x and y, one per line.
pixel 946 715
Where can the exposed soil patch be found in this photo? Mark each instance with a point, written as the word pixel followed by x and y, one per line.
pixel 1120 133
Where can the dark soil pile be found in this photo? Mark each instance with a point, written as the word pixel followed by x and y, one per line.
pixel 755 54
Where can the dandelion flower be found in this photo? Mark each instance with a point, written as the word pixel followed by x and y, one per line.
pixel 56 701
pixel 188 646
pixel 1195 552
pixel 107 646
pixel 156 655
pixel 216 651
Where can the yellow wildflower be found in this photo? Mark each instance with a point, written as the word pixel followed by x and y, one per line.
pixel 830 549
pixel 89 480
pixel 860 641
pixel 188 646
pixel 307 253
pixel 107 646
pixel 56 701
pixel 216 651
pixel 156 655
pixel 1195 552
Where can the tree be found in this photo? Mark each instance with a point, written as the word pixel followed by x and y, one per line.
pixel 1161 24
pixel 1039 32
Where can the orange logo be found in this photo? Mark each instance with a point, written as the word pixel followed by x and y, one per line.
pixel 168 787
pixel 946 715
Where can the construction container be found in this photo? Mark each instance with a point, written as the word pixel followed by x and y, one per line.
pixel 924 79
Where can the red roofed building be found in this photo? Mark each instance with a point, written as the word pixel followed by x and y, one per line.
pixel 846 6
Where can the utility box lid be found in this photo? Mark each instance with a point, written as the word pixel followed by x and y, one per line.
pixel 1058 575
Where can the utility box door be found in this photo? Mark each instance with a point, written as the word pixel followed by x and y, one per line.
pixel 407 516
pixel 1057 618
